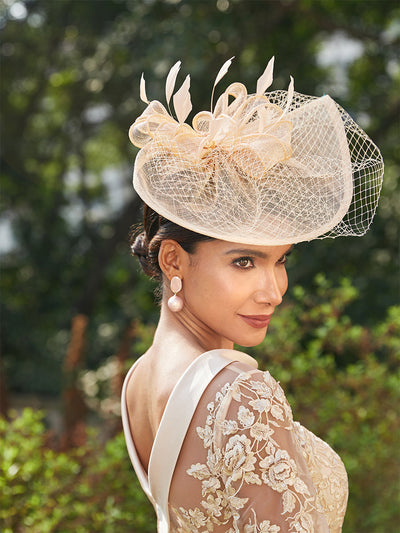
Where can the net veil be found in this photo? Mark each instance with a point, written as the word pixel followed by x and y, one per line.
pixel 266 168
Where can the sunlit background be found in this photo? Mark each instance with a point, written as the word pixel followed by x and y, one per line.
pixel 75 309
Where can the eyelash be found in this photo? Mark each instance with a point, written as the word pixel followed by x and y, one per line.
pixel 281 261
pixel 284 258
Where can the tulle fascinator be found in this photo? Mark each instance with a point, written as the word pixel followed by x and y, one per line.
pixel 266 168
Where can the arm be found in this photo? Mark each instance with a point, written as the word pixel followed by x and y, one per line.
pixel 253 476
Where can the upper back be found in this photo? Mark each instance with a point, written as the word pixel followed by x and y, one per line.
pixel 147 394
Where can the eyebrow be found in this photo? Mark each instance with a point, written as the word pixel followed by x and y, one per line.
pixel 254 253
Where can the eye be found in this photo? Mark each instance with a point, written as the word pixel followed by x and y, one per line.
pixel 244 262
pixel 282 260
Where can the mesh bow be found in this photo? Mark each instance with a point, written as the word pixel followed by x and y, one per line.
pixel 249 134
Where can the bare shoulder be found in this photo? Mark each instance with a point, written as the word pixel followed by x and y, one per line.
pixel 140 401
pixel 143 393
pixel 150 387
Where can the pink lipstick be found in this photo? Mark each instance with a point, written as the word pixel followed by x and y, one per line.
pixel 257 321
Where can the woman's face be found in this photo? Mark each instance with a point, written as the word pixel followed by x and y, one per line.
pixel 231 290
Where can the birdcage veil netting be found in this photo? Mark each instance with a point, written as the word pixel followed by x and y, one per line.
pixel 265 169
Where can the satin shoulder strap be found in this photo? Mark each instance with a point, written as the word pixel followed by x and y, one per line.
pixel 177 416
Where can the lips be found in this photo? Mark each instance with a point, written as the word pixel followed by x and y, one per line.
pixel 257 321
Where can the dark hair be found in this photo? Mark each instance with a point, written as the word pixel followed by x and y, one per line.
pixel 146 243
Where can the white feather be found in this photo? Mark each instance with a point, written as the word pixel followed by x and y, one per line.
pixel 171 79
pixel 182 103
pixel 143 95
pixel 223 70
pixel 290 93
pixel 265 80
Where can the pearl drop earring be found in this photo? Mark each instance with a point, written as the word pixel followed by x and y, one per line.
pixel 175 303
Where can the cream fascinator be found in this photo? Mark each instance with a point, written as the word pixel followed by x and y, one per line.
pixel 266 168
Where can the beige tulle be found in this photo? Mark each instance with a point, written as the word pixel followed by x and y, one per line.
pixel 265 168
pixel 228 457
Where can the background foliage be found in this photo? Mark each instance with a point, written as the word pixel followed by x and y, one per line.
pixel 69 91
pixel 352 406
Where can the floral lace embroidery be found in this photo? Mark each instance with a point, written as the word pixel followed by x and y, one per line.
pixel 242 451
pixel 325 465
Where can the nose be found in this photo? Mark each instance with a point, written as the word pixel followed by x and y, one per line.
pixel 269 290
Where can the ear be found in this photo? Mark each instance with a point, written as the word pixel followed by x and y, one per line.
pixel 172 258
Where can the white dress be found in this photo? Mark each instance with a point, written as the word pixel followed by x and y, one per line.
pixel 228 457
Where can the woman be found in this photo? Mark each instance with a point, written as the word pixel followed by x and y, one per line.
pixel 211 437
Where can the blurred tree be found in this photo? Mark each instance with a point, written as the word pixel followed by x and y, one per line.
pixel 69 91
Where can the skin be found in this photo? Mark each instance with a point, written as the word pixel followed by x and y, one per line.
pixel 230 292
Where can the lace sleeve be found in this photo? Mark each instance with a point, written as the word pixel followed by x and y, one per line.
pixel 251 475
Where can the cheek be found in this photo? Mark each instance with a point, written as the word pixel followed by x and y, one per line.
pixel 213 288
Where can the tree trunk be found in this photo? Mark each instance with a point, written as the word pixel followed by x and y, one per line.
pixel 74 404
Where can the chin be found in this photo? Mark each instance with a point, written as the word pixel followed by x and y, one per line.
pixel 248 342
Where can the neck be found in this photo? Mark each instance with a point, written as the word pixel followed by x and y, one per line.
pixel 185 331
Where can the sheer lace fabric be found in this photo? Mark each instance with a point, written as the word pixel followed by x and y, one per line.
pixel 245 466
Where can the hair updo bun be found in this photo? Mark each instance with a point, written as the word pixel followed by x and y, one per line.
pixel 146 244
pixel 140 248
